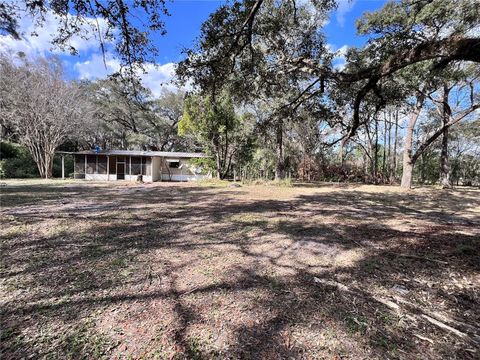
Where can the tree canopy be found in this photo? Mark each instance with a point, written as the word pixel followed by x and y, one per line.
pixel 263 82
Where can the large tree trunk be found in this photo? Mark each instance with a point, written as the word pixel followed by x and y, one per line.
pixel 389 151
pixel 407 172
pixel 280 168
pixel 375 154
pixel 43 158
pixel 48 166
pixel 341 153
pixel 384 163
pixel 218 157
pixel 422 169
pixel 394 162
pixel 408 158
pixel 444 163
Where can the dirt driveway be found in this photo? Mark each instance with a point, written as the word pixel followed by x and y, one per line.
pixel 186 271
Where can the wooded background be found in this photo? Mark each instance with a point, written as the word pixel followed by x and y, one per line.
pixel 263 95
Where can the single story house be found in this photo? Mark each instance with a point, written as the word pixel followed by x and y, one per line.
pixel 130 164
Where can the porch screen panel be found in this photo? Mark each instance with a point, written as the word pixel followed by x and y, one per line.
pixel 91 164
pixel 136 166
pixel 112 165
pixel 147 166
pixel 127 165
pixel 79 164
pixel 102 164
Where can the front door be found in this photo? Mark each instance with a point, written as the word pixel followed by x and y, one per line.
pixel 120 171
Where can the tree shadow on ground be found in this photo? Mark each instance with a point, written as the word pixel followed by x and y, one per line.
pixel 196 272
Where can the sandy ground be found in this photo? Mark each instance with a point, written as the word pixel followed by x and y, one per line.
pixel 200 271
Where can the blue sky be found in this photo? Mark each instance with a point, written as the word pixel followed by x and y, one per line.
pixel 183 26
pixel 187 16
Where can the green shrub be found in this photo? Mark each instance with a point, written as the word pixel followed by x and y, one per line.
pixel 205 165
pixel 287 182
pixel 8 150
pixel 16 161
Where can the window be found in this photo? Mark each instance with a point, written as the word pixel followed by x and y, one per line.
pixel 127 165
pixel 174 164
pixel 112 165
pixel 136 168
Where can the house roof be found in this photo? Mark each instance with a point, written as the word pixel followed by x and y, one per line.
pixel 137 153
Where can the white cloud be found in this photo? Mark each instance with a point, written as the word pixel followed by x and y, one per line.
pixel 159 77
pixel 340 52
pixel 156 78
pixel 343 7
pixel 339 60
pixel 316 17
pixel 37 41
pixel 96 67
pixel 343 51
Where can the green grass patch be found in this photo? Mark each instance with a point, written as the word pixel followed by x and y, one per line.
pixel 213 182
pixel 465 249
pixel 85 343
pixel 251 219
pixel 355 324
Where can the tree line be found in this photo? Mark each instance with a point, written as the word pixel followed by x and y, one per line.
pixel 268 97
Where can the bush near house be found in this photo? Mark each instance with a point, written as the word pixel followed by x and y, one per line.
pixel 16 162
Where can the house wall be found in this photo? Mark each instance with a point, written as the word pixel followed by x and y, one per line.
pixel 179 177
pixel 183 173
pixel 145 178
pixel 160 169
pixel 98 177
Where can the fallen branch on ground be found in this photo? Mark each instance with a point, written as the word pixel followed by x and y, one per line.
pixel 424 338
pixel 423 258
pixel 418 313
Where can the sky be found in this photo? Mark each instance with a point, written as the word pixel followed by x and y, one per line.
pixel 183 27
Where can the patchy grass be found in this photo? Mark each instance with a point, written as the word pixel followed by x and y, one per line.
pixel 280 183
pixel 205 271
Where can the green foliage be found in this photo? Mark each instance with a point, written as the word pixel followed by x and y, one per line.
pixel 262 163
pixel 214 124
pixel 204 165
pixel 16 161
pixel 287 182
pixel 207 118
pixel 130 117
pixel 402 23
pixel 8 150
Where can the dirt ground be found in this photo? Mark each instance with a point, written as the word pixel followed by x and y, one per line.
pixel 196 271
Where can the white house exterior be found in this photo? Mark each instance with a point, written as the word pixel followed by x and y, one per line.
pixel 110 165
